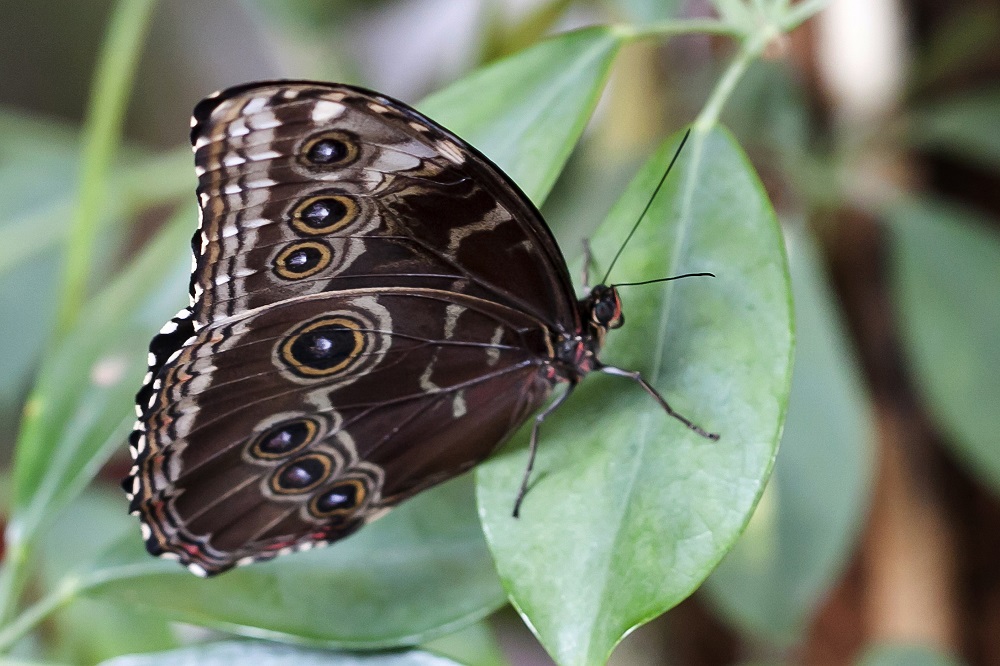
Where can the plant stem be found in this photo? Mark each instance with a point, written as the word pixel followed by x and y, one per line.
pixel 32 616
pixel 750 50
pixel 101 135
pixel 678 27
pixel 12 575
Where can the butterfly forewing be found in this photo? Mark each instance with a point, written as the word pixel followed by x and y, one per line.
pixel 310 187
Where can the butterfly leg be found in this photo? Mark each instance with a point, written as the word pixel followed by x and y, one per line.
pixel 533 446
pixel 636 377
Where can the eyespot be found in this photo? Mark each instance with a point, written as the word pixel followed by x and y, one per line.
pixel 301 475
pixel 322 347
pixel 323 214
pixel 284 439
pixel 329 149
pixel 302 260
pixel 340 499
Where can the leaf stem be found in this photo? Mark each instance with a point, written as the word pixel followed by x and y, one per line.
pixel 102 132
pixel 33 615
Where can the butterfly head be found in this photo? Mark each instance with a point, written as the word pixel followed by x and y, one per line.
pixel 603 309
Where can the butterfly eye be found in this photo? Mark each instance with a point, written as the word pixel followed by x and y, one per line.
pixel 604 313
pixel 340 499
pixel 330 149
pixel 322 347
pixel 283 439
pixel 301 475
pixel 302 260
pixel 323 215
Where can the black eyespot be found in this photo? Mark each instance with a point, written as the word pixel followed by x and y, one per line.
pixel 322 215
pixel 322 347
pixel 301 475
pixel 327 151
pixel 302 259
pixel 284 439
pixel 339 498
pixel 323 212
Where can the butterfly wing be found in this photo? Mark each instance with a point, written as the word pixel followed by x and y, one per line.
pixel 373 311
pixel 310 187
pixel 296 423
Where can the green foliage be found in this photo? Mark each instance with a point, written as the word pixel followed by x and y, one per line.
pixel 899 654
pixel 946 277
pixel 798 540
pixel 656 504
pixel 628 513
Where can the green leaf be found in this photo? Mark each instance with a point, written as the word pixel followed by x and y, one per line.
pixel 271 654
pixel 88 631
pixel 420 572
pixel 527 111
pixel 79 408
pixel 889 654
pixel 956 126
pixel 475 645
pixel 806 525
pixel 946 279
pixel 648 11
pixel 628 510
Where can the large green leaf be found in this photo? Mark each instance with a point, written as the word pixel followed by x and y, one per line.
pixel 628 510
pixel 270 654
pixel 946 276
pixel 527 111
pixel 807 523
pixel 418 573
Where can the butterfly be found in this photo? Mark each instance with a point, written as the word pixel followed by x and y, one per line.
pixel 375 308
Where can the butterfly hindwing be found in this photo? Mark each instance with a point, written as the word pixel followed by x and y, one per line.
pixel 296 423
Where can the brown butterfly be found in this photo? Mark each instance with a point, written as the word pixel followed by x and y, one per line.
pixel 375 308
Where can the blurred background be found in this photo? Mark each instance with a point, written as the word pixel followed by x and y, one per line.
pixel 876 130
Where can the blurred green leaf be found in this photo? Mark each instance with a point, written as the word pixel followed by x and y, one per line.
pixel 420 572
pixel 271 654
pixel 100 140
pixel 475 645
pixel 88 631
pixel 964 36
pixel 79 409
pixel 946 279
pixel 527 111
pixel 628 510
pixel 889 654
pixel 959 126
pixel 805 527
pixel 647 11
pixel 504 35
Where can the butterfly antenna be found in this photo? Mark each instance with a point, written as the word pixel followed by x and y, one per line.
pixel 648 204
pixel 666 279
